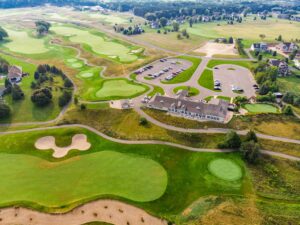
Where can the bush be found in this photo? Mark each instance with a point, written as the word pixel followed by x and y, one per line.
pixel 251 136
pixel 232 140
pixel 68 83
pixel 65 98
pixel 288 110
pixel 4 111
pixel 250 151
pixel 143 121
pixel 41 97
pixel 17 93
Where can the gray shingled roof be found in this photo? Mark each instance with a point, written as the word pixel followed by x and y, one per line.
pixel 219 110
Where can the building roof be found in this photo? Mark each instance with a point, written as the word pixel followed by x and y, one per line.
pixel 14 72
pixel 218 110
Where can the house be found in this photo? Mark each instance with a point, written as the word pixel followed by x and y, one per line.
pixel 154 25
pixel 287 47
pixel 15 74
pixel 191 110
pixel 284 16
pixel 297 63
pixel 283 68
pixel 259 47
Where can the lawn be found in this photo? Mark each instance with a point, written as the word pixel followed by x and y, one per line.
pixel 22 42
pixel 261 108
pixel 289 84
pixel 103 173
pixel 120 88
pixel 134 173
pixel 24 110
pixel 98 43
pixel 157 90
pixel 187 74
pixel 111 19
pixel 192 90
pixel 207 79
pixel 216 62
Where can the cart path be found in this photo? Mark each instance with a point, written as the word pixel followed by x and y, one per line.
pixel 132 142
pixel 109 211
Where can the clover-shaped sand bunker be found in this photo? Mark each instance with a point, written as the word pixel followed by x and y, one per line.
pixel 79 142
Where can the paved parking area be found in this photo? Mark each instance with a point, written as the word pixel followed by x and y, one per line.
pixel 234 76
pixel 163 69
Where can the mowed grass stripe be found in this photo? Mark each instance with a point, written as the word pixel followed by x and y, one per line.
pixel 30 179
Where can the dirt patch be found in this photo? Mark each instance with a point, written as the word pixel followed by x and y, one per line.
pixel 211 48
pixel 108 211
pixel 79 142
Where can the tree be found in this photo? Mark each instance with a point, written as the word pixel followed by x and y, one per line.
pixel 288 98
pixel 262 36
pixel 279 38
pixel 17 93
pixel 251 136
pixel 288 110
pixel 42 27
pixel 176 26
pixel 41 97
pixel 230 40
pixel 4 111
pixel 163 21
pixel 68 83
pixel 65 98
pixel 3 34
pixel 232 140
pixel 274 53
pixel 239 100
pixel 191 22
pixel 143 121
pixel 178 36
pixel 250 151
pixel 260 57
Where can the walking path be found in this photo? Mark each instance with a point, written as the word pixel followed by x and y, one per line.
pixel 132 142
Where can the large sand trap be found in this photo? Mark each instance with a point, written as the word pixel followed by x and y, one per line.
pixel 109 211
pixel 79 142
pixel 212 48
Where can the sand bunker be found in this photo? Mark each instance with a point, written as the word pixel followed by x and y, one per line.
pixel 211 48
pixel 108 211
pixel 79 142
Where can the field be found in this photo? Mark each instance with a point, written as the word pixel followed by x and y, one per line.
pixel 261 108
pixel 189 175
pixel 22 42
pixel 98 43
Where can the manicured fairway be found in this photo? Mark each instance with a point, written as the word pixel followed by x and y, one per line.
pixel 22 43
pixel 261 108
pixel 119 89
pixel 225 169
pixel 97 43
pixel 27 178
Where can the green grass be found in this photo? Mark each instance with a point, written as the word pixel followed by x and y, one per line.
pixel 24 110
pixel 81 176
pixel 225 169
pixel 97 43
pixel 261 108
pixel 216 62
pixel 135 178
pixel 207 79
pixel 111 19
pixel 187 74
pixel 157 90
pixel 22 42
pixel 289 84
pixel 225 98
pixel 192 90
pixel 120 88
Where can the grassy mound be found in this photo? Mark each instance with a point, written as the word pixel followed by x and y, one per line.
pixel 225 169
pixel 102 173
pixel 261 108
pixel 192 91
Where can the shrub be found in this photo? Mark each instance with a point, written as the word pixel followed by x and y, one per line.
pixel 68 83
pixel 65 98
pixel 17 93
pixel 232 140
pixel 251 136
pixel 288 110
pixel 41 97
pixel 143 121
pixel 4 111
pixel 250 151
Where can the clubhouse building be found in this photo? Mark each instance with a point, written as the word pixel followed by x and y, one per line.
pixel 217 111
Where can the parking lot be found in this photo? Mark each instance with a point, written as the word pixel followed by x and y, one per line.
pixel 164 69
pixel 234 79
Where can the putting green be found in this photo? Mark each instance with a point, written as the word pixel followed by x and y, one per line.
pixel 97 43
pixel 22 43
pixel 53 184
pixel 119 88
pixel 77 65
pixel 261 108
pixel 86 75
pixel 225 169
pixel 72 60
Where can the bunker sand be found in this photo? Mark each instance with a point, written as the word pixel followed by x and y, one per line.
pixel 79 142
pixel 109 211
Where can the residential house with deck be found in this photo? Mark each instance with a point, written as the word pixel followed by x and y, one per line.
pixel 283 67
pixel 15 74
